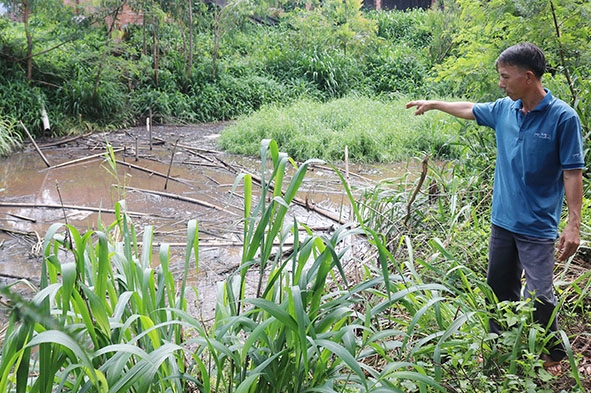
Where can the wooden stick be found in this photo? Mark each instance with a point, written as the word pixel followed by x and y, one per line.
pixel 71 207
pixel 36 147
pixel 170 165
pixel 149 126
pixel 21 217
pixel 418 188
pixel 327 168
pixel 15 231
pixel 205 164
pixel 210 244
pixel 85 158
pixel 192 148
pixel 347 177
pixel 181 198
pixel 150 171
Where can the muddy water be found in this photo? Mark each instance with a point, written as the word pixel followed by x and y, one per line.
pixel 82 193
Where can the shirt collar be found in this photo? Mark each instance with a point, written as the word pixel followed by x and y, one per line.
pixel 518 105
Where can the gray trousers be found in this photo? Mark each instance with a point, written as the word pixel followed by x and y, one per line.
pixel 510 256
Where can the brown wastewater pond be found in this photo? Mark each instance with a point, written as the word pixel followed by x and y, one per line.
pixel 179 176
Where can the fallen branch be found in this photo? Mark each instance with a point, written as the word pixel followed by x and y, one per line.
pixel 304 203
pixel 150 171
pixel 35 145
pixel 69 207
pixel 21 217
pixel 62 141
pixel 16 231
pixel 78 160
pixel 181 198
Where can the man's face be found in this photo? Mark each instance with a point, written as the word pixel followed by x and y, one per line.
pixel 513 80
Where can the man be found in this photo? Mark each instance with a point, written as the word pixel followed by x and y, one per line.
pixel 539 160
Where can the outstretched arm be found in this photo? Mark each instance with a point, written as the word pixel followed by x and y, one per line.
pixel 569 240
pixel 460 109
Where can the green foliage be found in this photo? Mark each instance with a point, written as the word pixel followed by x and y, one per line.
pixel 374 131
pixel 488 27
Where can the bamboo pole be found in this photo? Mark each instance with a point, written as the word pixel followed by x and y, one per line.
pixel 84 159
pixel 64 141
pixel 36 147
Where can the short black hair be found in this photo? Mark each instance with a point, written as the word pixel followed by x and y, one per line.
pixel 524 55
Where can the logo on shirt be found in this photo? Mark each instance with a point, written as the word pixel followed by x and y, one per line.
pixel 543 135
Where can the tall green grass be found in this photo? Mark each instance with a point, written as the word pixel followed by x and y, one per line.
pixel 373 130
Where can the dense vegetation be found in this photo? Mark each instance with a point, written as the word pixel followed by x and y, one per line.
pixel 410 317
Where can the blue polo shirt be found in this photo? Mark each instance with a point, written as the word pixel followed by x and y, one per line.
pixel 532 152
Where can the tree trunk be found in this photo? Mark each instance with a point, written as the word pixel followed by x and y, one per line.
pixel 26 15
pixel 190 59
pixel 115 16
pixel 156 52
